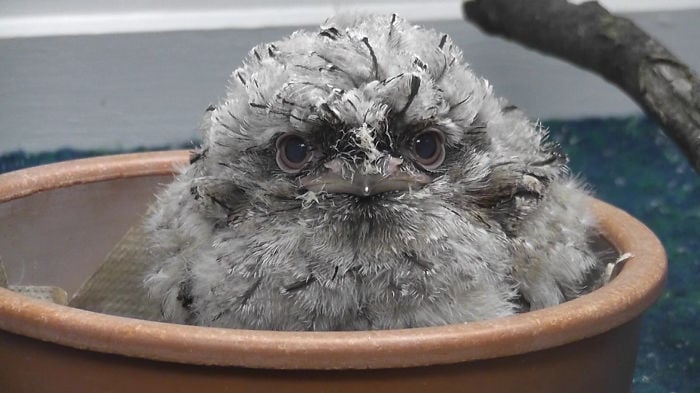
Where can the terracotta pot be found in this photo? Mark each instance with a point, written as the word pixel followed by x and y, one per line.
pixel 58 221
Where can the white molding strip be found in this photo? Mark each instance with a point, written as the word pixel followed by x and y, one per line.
pixel 244 17
pixel 251 17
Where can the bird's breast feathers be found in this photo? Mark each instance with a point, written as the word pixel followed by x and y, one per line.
pixel 362 177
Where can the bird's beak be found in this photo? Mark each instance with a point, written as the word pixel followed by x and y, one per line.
pixel 338 178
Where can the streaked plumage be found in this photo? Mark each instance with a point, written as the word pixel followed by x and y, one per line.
pixel 323 199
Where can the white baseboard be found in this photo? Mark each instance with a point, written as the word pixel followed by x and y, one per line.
pixel 249 17
pixel 213 15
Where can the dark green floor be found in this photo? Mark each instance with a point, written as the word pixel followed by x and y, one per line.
pixel 629 163
pixel 633 165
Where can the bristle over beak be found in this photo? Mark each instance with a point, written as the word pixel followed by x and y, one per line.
pixel 386 176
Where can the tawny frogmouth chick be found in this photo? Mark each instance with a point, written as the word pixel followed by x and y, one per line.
pixel 360 176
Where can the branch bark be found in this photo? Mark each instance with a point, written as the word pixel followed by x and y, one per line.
pixel 612 46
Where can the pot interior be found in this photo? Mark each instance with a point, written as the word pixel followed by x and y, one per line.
pixel 60 221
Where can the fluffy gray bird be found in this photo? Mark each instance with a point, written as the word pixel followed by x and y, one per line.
pixel 362 177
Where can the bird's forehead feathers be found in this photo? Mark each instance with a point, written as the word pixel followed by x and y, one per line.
pixel 367 70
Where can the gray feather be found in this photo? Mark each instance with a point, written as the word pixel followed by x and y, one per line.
pixel 501 227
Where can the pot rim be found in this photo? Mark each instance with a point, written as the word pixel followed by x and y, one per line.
pixel 636 288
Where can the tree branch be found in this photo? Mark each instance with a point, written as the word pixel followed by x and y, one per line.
pixel 612 46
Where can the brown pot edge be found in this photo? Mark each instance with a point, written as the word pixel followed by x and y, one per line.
pixel 25 182
pixel 639 284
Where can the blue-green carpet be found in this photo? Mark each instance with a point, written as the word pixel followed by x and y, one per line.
pixel 630 163
pixel 633 165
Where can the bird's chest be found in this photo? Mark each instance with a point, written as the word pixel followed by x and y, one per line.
pixel 362 294
pixel 369 284
pixel 371 277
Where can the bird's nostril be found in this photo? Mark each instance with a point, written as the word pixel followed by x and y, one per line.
pixel 392 165
pixel 334 166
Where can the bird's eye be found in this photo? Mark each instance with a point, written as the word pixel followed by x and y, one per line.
pixel 292 153
pixel 429 149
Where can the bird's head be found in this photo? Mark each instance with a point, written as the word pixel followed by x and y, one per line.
pixel 367 111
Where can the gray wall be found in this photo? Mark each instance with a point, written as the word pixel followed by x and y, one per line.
pixel 127 90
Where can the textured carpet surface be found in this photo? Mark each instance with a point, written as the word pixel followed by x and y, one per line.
pixel 630 163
